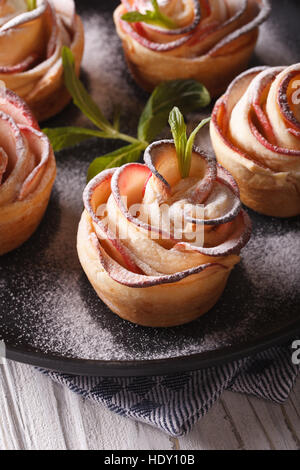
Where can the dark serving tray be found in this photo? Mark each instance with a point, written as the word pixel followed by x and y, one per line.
pixel 49 314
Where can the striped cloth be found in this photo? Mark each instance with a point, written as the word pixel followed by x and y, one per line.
pixel 175 403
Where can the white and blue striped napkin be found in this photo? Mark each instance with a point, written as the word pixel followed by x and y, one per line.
pixel 175 403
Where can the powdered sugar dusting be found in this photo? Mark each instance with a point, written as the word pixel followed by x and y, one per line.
pixel 46 302
pixel 282 50
pixel 103 63
pixel 272 257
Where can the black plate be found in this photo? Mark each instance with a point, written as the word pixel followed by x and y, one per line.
pixel 50 315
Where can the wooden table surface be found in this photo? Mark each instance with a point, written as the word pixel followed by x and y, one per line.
pixel 37 414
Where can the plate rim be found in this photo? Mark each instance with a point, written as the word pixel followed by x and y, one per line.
pixel 164 366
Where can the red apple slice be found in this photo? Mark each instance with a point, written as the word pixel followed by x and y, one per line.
pixel 128 4
pixel 15 107
pixel 245 125
pixel 214 38
pixel 3 163
pixel 130 279
pixel 220 120
pixel 138 5
pixel 256 92
pixel 66 9
pixel 285 101
pixel 97 193
pixel 267 77
pixel 258 13
pixel 250 131
pixel 161 159
pixel 129 181
pixel 128 187
pixel 20 162
pixel 153 46
pixel 238 238
pixel 224 178
pixel 38 144
pixel 53 28
pixel 134 248
pixel 21 36
pixel 21 67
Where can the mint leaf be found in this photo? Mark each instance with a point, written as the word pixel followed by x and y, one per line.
pixel 81 97
pixel 178 129
pixel 189 147
pixel 184 146
pixel 129 153
pixel 153 17
pixel 188 95
pixel 62 137
pixel 31 5
pixel 117 117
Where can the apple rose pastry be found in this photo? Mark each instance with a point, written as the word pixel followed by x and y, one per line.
pixel 158 248
pixel 207 40
pixel 255 133
pixel 27 172
pixel 31 42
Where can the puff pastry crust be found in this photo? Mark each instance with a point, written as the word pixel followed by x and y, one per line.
pixel 255 132
pixel 145 273
pixel 213 42
pixel 27 172
pixel 30 51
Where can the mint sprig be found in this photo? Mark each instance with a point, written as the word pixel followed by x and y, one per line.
pixel 63 137
pixel 31 5
pixel 183 145
pixel 80 96
pixel 188 94
pixel 128 154
pixel 178 128
pixel 154 17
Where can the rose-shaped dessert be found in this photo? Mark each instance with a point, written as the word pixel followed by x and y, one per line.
pixel 27 172
pixel 255 133
pixel 30 51
pixel 207 40
pixel 143 262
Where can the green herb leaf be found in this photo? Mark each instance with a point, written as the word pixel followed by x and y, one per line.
pixel 62 137
pixel 154 17
pixel 178 129
pixel 31 5
pixel 189 147
pixel 184 146
pixel 129 153
pixel 117 117
pixel 81 97
pixel 188 95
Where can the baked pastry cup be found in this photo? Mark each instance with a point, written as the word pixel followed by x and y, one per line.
pixel 212 44
pixel 143 263
pixel 27 172
pixel 30 51
pixel 255 132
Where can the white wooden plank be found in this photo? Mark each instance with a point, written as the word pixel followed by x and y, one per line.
pixel 273 421
pixel 292 408
pixel 29 410
pixel 291 413
pixel 247 424
pixel 10 436
pixel 214 432
pixel 91 426
pixel 38 414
